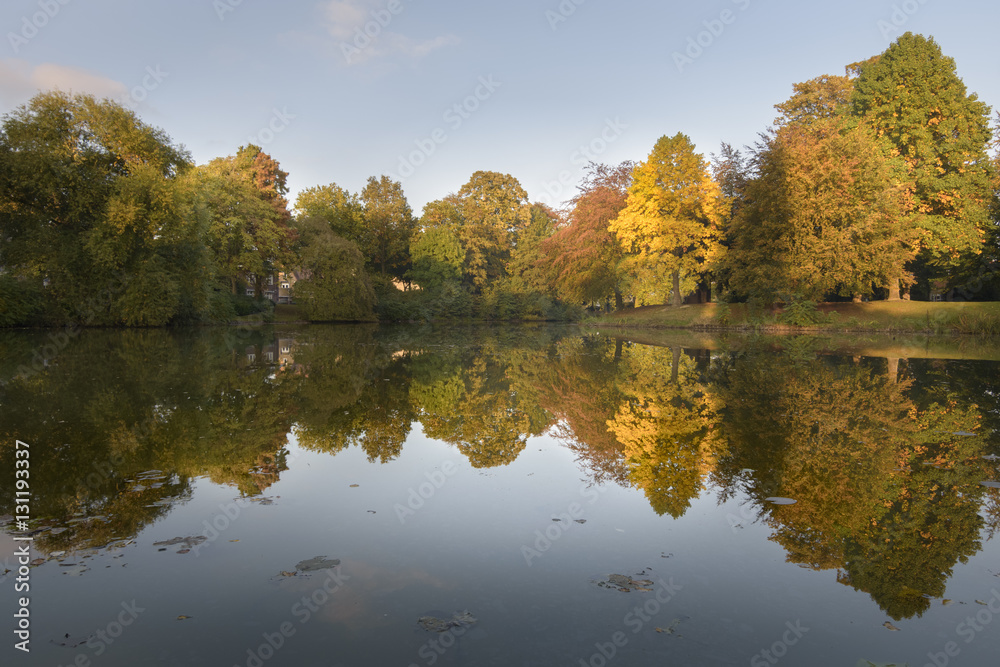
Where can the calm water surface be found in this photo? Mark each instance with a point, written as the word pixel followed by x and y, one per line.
pixel 306 496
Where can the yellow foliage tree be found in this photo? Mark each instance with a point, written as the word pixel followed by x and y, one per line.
pixel 670 224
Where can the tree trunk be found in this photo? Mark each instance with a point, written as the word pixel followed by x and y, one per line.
pixel 619 301
pixel 618 350
pixel 675 369
pixel 856 298
pixel 894 289
pixel 893 369
pixel 676 300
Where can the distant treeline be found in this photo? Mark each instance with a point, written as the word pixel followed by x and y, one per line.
pixel 876 184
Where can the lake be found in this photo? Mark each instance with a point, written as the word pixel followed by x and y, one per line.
pixel 533 495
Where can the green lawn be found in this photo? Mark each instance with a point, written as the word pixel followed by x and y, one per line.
pixel 881 316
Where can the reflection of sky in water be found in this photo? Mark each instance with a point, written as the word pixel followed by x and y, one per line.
pixel 429 534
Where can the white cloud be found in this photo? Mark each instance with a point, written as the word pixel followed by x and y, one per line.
pixel 343 16
pixel 20 81
pixel 363 31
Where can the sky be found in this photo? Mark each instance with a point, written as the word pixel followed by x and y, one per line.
pixel 430 92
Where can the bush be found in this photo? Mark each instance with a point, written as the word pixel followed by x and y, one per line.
pixel 20 302
pixel 802 313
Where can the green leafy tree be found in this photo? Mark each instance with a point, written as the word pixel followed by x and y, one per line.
pixel 731 169
pixel 437 256
pixel 494 211
pixel 336 286
pixel 95 217
pixel 527 267
pixel 340 209
pixel 387 226
pixel 912 96
pixel 670 224
pixel 244 232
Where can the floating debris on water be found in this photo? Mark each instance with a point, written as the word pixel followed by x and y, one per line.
pixel 71 642
pixel 316 564
pixel 434 624
pixel 626 584
pixel 781 501
pixel 187 542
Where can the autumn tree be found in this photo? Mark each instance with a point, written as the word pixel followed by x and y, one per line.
pixel 584 254
pixel 272 237
pixel 670 223
pixel 248 232
pixel 825 212
pixel 912 96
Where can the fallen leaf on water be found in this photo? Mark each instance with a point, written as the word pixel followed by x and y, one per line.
pixel 890 626
pixel 316 564
pixel 980 602
pixel 182 617
pixel 354 486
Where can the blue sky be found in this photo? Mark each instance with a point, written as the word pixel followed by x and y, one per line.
pixel 535 82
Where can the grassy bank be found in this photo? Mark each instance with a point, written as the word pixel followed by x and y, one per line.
pixel 877 317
